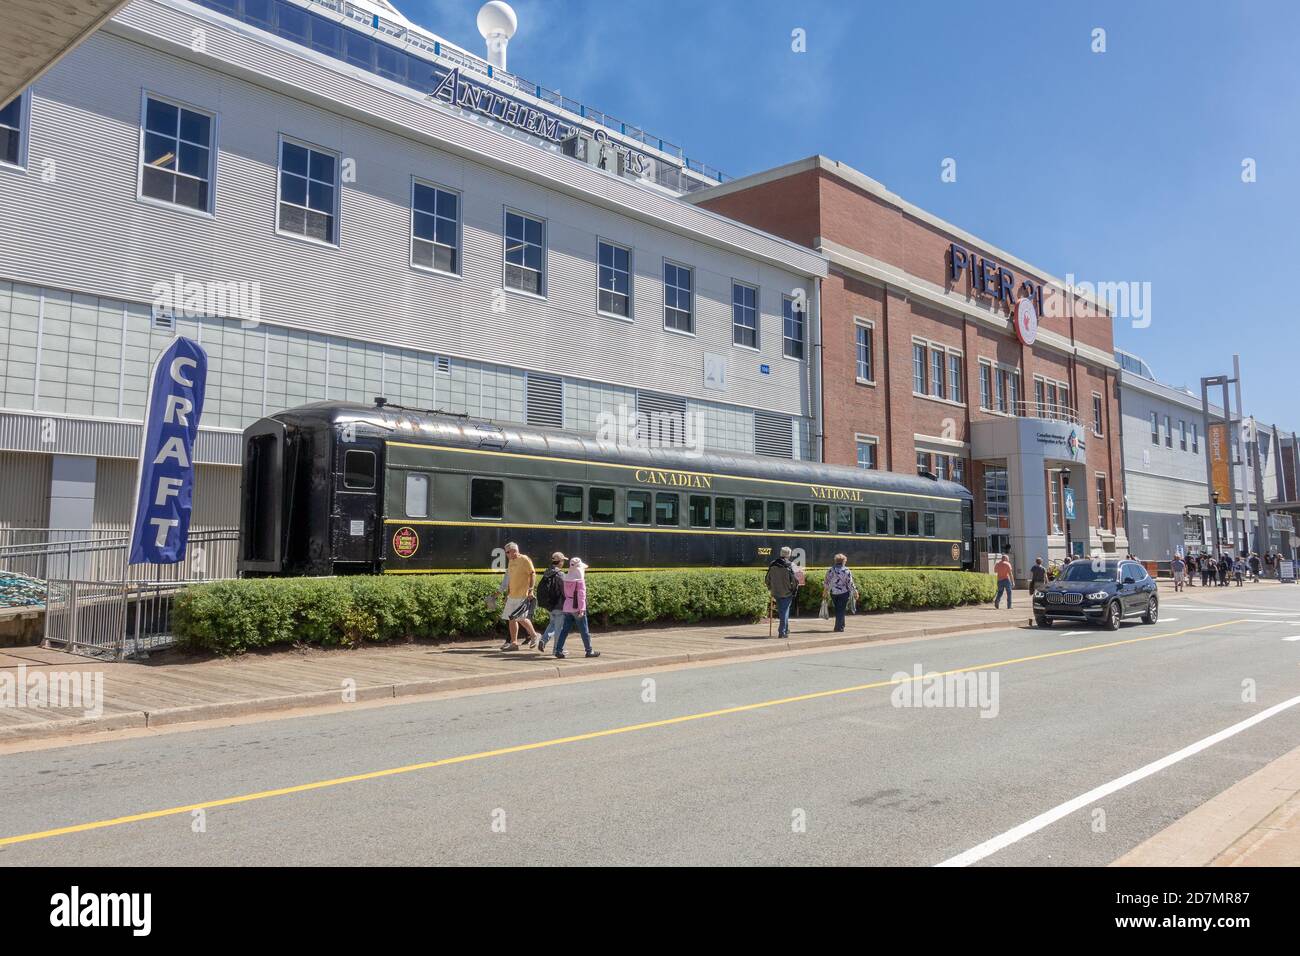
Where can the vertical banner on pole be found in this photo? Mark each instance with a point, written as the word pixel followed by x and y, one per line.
pixel 1220 461
pixel 165 482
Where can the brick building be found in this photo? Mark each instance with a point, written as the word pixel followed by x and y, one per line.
pixel 923 369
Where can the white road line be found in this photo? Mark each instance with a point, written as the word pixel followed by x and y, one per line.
pixel 1231 610
pixel 1295 638
pixel 1016 834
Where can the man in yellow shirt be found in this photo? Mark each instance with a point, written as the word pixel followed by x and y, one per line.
pixel 518 588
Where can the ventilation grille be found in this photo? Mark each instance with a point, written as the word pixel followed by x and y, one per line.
pixel 773 436
pixel 164 320
pixel 545 401
pixel 442 364
pixel 661 419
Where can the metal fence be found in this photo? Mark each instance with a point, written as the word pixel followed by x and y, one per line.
pixel 98 604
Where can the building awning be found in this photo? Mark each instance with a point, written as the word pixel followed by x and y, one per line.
pixel 36 34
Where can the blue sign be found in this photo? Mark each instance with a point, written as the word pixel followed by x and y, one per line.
pixel 165 487
pixel 1069 503
pixel 765 369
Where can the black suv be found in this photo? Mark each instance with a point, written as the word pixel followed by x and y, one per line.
pixel 1100 592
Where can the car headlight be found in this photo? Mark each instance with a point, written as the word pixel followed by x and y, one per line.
pixel 1098 596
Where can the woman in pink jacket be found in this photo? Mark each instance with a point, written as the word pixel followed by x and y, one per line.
pixel 575 608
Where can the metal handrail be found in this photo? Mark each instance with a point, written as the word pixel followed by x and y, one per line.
pixel 1046 410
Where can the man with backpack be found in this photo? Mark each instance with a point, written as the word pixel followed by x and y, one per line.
pixel 550 595
pixel 783 585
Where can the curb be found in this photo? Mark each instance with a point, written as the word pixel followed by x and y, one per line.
pixel 193 713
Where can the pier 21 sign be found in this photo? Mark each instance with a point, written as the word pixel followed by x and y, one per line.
pixel 984 277
pixel 165 486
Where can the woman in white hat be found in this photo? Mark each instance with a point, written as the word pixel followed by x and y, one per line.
pixel 575 608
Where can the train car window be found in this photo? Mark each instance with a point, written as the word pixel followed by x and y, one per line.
pixel 359 470
pixel 666 508
pixel 802 517
pixel 487 498
pixel 843 519
pixel 724 512
pixel 701 511
pixel 776 516
pixel 638 507
pixel 900 523
pixel 914 522
pixel 601 505
pixel 568 503
pixel 417 496
pixel 753 514
pixel 882 521
pixel 821 518
pixel 929 524
pixel 861 521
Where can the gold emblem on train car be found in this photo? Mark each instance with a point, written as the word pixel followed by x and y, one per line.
pixel 405 542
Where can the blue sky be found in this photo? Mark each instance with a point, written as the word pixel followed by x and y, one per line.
pixel 1122 166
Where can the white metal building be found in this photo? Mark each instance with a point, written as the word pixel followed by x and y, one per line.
pixel 338 204
pixel 1167 490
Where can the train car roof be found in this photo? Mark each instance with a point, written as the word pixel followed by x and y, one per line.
pixel 397 423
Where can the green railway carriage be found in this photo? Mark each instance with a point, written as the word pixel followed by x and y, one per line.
pixel 336 488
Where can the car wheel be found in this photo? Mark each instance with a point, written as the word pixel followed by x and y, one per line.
pixel 1153 611
pixel 1042 620
pixel 1113 616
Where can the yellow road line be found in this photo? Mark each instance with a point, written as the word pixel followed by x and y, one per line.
pixel 577 738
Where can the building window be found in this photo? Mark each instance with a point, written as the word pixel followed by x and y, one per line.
pixel 1054 501
pixel 918 368
pixel 1182 435
pixel 614 280
pixel 176 155
pixel 678 312
pixel 936 372
pixel 986 386
pixel 1101 501
pixel 1169 434
pixel 744 315
pixel 525 253
pixel 1014 381
pixel 941 467
pixel 954 377
pixel 923 463
pixel 997 502
pixel 1196 439
pixel 866 356
pixel 12 131
pixel 792 328
pixel 1155 429
pixel 1040 397
pixel 435 228
pixel 867 453
pixel 1096 414
pixel 308 192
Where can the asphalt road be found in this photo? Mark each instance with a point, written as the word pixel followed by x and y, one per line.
pixel 843 776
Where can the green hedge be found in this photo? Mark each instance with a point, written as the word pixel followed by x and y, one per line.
pixel 231 617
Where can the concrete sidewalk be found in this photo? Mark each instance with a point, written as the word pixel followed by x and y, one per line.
pixel 173 689
pixel 1255 822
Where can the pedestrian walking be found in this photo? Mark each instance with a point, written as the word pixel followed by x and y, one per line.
pixel 1255 565
pixel 518 588
pixel 783 585
pixel 1003 570
pixel 1239 570
pixel 1179 569
pixel 1225 567
pixel 1038 576
pixel 550 595
pixel 839 587
pixel 575 608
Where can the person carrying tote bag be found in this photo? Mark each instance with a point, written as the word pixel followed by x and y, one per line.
pixel 839 588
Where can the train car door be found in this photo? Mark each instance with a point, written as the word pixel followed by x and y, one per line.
pixel 355 516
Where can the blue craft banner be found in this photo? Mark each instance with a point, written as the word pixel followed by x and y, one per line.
pixel 165 487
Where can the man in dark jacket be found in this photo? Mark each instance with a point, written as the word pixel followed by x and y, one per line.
pixel 783 585
pixel 550 595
